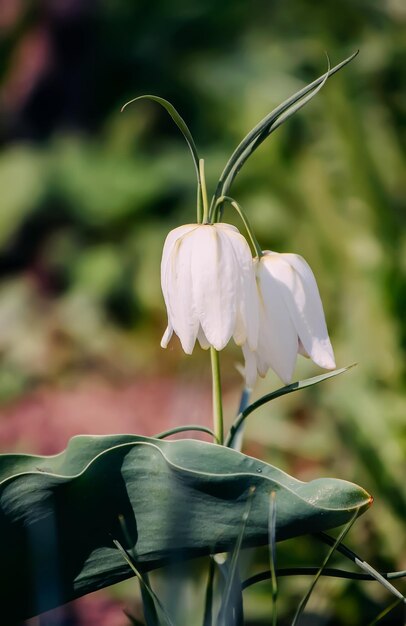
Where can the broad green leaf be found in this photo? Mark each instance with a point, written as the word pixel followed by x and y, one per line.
pixel 60 515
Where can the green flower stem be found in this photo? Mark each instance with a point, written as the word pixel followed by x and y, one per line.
pixel 206 219
pixel 214 355
pixel 244 219
pixel 199 205
pixel 217 397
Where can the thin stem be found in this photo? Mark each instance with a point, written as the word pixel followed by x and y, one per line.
pixel 217 398
pixel 244 219
pixel 199 207
pixel 337 542
pixel 208 604
pixel 182 429
pixel 272 555
pixel 311 571
pixel 204 192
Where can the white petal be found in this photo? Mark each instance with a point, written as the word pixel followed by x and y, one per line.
pixel 166 267
pixel 302 350
pixel 172 237
pixel 167 336
pixel 278 341
pixel 202 339
pixel 307 313
pixel 248 308
pixel 181 311
pixel 214 282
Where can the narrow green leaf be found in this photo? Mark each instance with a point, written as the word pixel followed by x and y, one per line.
pixel 373 573
pixel 311 571
pixel 263 127
pixel 282 391
pixel 272 555
pixel 150 599
pixel 230 590
pixel 208 603
pixel 337 542
pixel 180 123
pixel 385 612
pixel 150 614
pixel 380 579
pixel 268 129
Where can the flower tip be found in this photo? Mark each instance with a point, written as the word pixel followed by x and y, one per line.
pixel 328 363
pixel 167 336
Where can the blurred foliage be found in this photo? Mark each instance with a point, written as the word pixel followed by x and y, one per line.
pixel 88 195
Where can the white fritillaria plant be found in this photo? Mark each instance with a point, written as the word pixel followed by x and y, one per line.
pixel 217 286
pixel 215 289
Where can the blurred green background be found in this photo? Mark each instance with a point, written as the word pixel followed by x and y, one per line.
pixel 89 194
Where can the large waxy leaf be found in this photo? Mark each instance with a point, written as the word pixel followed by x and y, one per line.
pixel 59 515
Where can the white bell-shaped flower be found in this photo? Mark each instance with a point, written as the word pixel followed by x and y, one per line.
pixel 291 319
pixel 208 283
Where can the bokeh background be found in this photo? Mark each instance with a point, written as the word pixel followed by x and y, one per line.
pixel 89 194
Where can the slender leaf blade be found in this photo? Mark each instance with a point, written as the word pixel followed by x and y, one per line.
pixel 269 119
pixel 282 391
pixel 179 121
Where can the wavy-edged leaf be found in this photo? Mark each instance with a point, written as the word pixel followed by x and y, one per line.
pixel 180 499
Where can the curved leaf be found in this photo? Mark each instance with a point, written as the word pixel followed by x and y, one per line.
pixel 270 122
pixel 60 515
pixel 179 121
pixel 282 391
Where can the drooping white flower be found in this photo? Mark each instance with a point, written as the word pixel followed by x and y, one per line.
pixel 291 319
pixel 208 283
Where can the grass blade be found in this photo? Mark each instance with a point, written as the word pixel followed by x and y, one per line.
pixel 385 612
pixel 282 391
pixel 149 597
pixel 208 603
pixel 306 597
pixel 380 579
pixel 227 604
pixel 329 572
pixel 373 573
pixel 272 555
